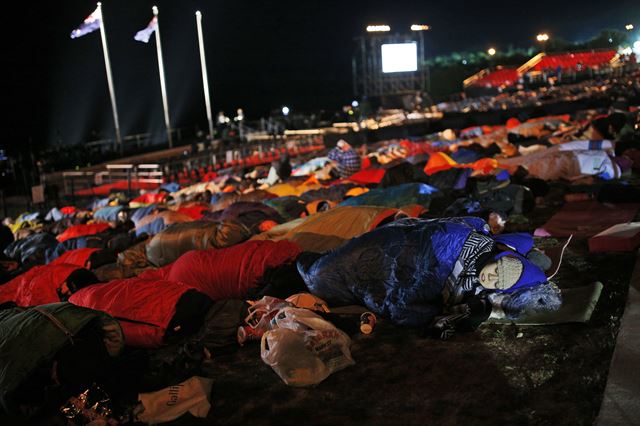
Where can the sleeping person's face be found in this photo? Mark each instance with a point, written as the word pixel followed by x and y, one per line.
pixel 488 276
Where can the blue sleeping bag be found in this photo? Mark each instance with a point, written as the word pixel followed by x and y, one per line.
pixel 86 241
pixel 152 228
pixel 398 271
pixel 108 214
pixel 394 196
pixel 32 249
pixel 141 212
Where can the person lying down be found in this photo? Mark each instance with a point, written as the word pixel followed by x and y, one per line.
pixel 439 274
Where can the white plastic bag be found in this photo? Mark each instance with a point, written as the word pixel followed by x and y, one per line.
pixel 306 349
pixel 262 311
pixel 170 403
pixel 299 319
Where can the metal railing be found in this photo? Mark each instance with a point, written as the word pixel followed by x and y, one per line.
pixel 157 173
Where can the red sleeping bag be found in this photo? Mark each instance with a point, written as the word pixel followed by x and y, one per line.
pixel 144 307
pixel 156 273
pixel 78 257
pixel 150 198
pixel 82 230
pixel 229 272
pixel 367 176
pixel 37 286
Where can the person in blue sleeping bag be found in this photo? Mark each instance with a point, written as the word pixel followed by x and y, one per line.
pixel 438 274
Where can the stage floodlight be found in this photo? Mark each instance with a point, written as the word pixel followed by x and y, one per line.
pixel 629 27
pixel 416 27
pixel 285 110
pixel 355 104
pixel 399 57
pixel 491 51
pixel 542 37
pixel 378 28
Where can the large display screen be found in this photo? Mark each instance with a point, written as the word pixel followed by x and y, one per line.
pixel 400 57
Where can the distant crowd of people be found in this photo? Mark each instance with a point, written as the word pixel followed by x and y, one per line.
pixel 626 86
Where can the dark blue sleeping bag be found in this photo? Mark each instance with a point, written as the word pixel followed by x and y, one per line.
pixel 398 271
pixel 394 196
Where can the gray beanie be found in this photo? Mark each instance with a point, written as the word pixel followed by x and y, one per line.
pixel 509 271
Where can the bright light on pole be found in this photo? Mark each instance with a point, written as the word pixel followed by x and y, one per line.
pixel 417 27
pixel 491 51
pixel 629 27
pixel 542 37
pixel 285 110
pixel 378 28
pixel 355 104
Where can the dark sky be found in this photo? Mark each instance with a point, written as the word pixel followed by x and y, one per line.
pixel 261 55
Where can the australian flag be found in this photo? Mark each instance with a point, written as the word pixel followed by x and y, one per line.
pixel 145 35
pixel 89 25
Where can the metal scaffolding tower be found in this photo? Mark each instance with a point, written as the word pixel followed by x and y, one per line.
pixel 368 78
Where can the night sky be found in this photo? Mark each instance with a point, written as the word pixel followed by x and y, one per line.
pixel 260 55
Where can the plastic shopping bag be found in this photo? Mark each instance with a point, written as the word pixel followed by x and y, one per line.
pixel 301 355
pixel 299 319
pixel 262 311
pixel 170 403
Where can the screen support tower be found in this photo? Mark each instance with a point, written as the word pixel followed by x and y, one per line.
pixel 368 78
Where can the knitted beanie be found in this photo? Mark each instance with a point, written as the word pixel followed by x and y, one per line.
pixel 509 271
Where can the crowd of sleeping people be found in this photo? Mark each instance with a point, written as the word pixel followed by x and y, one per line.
pixel 437 260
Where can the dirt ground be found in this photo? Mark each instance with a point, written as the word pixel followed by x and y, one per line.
pixel 505 374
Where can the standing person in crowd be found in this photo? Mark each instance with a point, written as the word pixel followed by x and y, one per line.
pixel 222 122
pixel 278 172
pixel 347 159
pixel 283 167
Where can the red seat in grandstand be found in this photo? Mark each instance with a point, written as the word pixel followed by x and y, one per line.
pixel 571 60
pixel 499 77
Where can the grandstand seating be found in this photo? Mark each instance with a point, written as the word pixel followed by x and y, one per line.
pixel 499 77
pixel 570 61
pixel 567 61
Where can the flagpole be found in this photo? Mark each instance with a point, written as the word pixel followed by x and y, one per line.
pixel 163 86
pixel 205 80
pixel 107 65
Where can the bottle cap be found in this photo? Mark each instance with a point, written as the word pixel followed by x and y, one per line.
pixel 366 328
pixel 242 335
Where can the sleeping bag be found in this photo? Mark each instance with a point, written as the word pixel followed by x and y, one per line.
pixel 288 208
pixel 228 273
pixel 60 339
pixel 396 196
pixel 179 238
pixel 224 200
pixel 98 241
pixel 44 284
pixel 330 229
pixel 82 230
pixel 90 258
pixel 150 311
pixel 153 223
pixel 399 271
pixel 107 214
pixel 31 250
pixel 411 269
pixel 250 214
